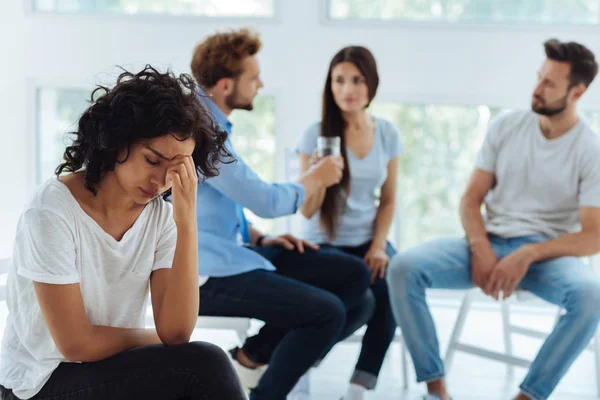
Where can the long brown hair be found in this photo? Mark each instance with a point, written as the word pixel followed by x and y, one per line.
pixel 333 124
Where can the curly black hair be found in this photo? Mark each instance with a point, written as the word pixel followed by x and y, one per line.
pixel 145 105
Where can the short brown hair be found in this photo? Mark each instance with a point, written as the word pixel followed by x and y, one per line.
pixel 583 63
pixel 221 55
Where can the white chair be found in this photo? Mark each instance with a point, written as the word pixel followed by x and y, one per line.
pixel 508 329
pixel 239 325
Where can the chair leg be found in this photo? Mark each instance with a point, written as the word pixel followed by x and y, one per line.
pixel 241 335
pixel 242 331
pixel 596 340
pixel 506 330
pixel 404 364
pixel 458 328
pixel 558 315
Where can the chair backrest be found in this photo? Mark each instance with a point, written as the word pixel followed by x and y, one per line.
pixel 4 264
pixel 594 263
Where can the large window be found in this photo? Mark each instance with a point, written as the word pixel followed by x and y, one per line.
pixel 440 146
pixel 59 109
pixel 254 139
pixel 209 8
pixel 469 11
pixel 441 143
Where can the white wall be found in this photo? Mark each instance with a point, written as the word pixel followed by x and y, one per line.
pixel 418 63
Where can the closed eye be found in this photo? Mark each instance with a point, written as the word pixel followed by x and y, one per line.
pixel 153 163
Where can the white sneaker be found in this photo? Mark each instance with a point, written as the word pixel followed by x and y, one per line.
pixel 302 389
pixel 249 377
pixel 355 392
pixel 431 396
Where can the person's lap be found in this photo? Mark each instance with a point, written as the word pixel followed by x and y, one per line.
pixel 445 264
pixel 438 264
pixel 266 296
pixel 551 280
pixel 327 268
pixel 150 372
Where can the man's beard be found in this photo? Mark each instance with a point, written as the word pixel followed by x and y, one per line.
pixel 548 111
pixel 234 103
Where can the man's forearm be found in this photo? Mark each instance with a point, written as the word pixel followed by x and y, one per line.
pixel 311 184
pixel 266 200
pixel 472 222
pixel 312 204
pixel 578 244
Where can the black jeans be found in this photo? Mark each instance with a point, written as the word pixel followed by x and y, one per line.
pixel 302 321
pixel 381 328
pixel 336 272
pixel 335 269
pixel 192 371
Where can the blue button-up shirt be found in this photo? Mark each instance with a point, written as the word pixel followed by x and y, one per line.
pixel 219 198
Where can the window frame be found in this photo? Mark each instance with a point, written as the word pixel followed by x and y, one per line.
pixel 153 17
pixel 34 146
pixel 326 19
pixel 397 229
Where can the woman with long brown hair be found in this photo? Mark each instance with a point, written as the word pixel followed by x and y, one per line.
pixel 354 217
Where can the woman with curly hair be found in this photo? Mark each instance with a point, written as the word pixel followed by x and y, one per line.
pixel 91 242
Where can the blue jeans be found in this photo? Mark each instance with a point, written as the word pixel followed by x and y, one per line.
pixel 445 264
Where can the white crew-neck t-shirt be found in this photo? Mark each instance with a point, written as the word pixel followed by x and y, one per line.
pixel 58 243
pixel 540 183
pixel 356 221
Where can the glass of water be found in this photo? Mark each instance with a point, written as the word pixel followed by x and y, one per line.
pixel 329 146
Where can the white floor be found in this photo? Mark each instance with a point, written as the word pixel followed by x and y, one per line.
pixel 470 378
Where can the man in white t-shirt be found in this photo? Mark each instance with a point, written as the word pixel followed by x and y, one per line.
pixel 538 174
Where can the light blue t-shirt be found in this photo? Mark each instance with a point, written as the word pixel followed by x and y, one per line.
pixel 356 223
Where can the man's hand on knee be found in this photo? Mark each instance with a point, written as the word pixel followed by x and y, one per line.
pixel 509 272
pixel 483 261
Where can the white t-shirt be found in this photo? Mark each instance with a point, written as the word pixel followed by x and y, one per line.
pixel 356 222
pixel 58 243
pixel 541 183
